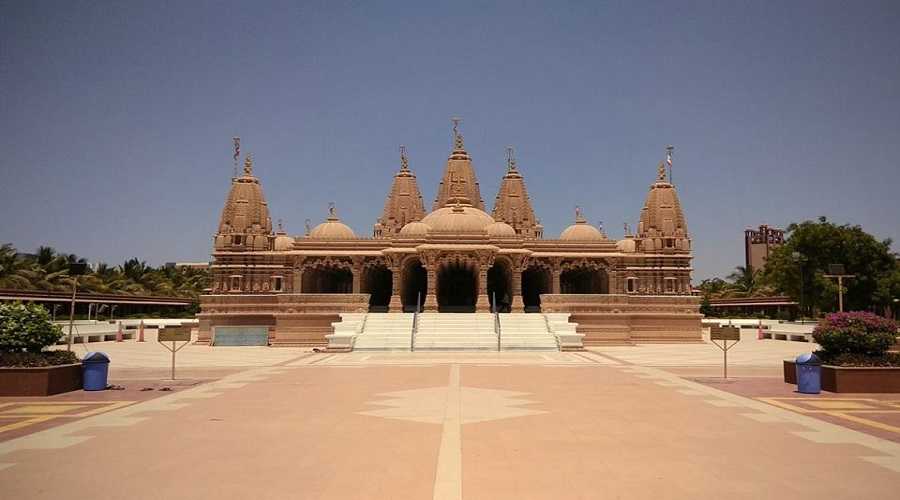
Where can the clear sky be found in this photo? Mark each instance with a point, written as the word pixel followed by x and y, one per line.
pixel 116 118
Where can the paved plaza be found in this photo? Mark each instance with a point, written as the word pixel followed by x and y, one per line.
pixel 650 421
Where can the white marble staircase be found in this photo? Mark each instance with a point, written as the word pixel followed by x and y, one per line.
pixel 456 332
pixel 385 332
pixel 526 332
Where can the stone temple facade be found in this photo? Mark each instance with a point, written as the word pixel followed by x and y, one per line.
pixel 454 258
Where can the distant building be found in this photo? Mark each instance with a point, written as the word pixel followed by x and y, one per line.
pixel 188 265
pixel 759 243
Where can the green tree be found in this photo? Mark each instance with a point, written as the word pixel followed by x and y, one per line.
pixel 821 243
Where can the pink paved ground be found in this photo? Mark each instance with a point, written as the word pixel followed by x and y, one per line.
pixel 603 433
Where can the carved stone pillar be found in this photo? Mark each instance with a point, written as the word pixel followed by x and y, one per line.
pixel 518 305
pixel 431 304
pixel 482 302
pixel 555 274
pixel 356 269
pixel 395 305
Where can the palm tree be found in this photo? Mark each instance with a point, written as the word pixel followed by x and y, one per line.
pixel 745 282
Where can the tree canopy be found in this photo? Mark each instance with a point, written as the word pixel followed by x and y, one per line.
pixel 48 269
pixel 818 244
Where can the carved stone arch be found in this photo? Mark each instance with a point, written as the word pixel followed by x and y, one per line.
pixel 584 276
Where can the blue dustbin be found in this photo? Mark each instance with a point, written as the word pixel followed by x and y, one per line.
pixel 809 373
pixel 95 368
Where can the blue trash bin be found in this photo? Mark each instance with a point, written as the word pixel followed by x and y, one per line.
pixel 809 373
pixel 95 368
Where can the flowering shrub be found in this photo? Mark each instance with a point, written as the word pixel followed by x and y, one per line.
pixel 26 327
pixel 855 333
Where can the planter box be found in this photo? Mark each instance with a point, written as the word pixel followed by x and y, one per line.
pixel 40 381
pixel 790 372
pixel 852 379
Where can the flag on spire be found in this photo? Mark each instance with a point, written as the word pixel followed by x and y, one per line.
pixel 237 147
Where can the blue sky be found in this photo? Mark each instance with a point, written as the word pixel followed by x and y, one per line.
pixel 117 119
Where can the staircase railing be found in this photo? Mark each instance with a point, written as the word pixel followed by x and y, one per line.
pixel 555 338
pixel 415 324
pixel 496 320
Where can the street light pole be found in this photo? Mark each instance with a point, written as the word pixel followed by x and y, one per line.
pixel 72 312
pixel 798 258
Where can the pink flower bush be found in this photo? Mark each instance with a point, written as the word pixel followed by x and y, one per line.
pixel 855 333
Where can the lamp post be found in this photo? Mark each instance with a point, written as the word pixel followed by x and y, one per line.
pixel 799 258
pixel 75 269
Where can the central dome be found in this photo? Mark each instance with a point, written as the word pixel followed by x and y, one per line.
pixel 458 219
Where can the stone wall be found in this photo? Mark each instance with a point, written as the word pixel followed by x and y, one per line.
pixel 627 319
pixel 292 319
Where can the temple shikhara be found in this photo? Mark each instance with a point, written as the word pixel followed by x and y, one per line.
pixel 509 285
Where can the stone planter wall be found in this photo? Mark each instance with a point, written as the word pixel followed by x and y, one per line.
pixel 40 381
pixel 852 379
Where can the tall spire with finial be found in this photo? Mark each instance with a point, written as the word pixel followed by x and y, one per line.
pixel 662 225
pixel 404 202
pixel 459 170
pixel 512 205
pixel 245 222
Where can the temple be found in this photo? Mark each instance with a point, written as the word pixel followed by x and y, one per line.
pixel 456 258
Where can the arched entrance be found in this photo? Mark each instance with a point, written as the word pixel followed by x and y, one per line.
pixel 327 280
pixel 414 284
pixel 457 287
pixel 499 281
pixel 535 281
pixel 377 283
pixel 583 280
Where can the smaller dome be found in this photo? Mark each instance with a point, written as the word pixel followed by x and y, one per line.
pixel 283 242
pixel 626 246
pixel 415 229
pixel 500 229
pixel 332 228
pixel 581 230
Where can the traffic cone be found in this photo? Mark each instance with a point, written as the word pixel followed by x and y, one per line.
pixel 119 335
pixel 141 331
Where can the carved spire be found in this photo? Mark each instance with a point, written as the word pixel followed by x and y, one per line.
pixel 404 203
pixel 245 223
pixel 512 205
pixel 459 171
pixel 662 225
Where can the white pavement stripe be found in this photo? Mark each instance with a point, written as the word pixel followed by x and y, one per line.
pixel 819 431
pixel 448 476
pixel 70 434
